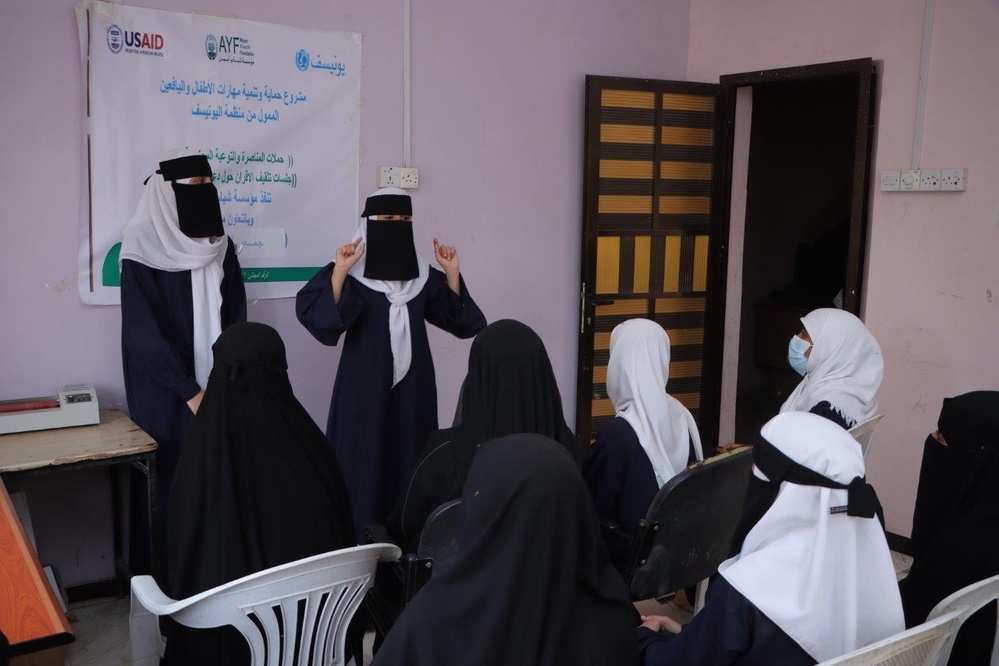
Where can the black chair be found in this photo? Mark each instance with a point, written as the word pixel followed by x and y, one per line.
pixel 398 582
pixel 687 531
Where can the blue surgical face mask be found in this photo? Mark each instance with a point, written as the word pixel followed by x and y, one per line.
pixel 796 354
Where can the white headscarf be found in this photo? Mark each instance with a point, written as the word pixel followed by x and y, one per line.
pixel 153 238
pixel 636 384
pixel 844 367
pixel 398 293
pixel 826 579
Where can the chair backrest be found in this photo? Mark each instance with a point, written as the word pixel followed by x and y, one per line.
pixel 439 538
pixel 293 613
pixel 863 432
pixel 970 599
pixel 688 529
pixel 919 646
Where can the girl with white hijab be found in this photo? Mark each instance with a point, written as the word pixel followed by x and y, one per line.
pixel 813 578
pixel 181 285
pixel 652 437
pixel 380 294
pixel 842 367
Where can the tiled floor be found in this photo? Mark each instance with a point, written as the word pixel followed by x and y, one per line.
pixel 101 626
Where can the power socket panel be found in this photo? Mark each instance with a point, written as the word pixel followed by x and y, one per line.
pixel 890 180
pixel 929 180
pixel 409 178
pixel 389 176
pixel 910 180
pixel 953 180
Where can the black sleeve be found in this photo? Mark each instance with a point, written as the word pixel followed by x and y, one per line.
pixel 160 360
pixel 455 313
pixel 320 314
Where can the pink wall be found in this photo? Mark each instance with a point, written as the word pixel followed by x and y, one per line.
pixel 497 134
pixel 932 294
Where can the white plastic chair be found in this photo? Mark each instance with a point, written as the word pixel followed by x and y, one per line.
pixel 969 600
pixel 863 432
pixel 265 608
pixel 920 646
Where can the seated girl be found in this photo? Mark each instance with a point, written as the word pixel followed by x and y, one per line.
pixel 531 582
pixel 510 388
pixel 652 438
pixel 813 578
pixel 256 486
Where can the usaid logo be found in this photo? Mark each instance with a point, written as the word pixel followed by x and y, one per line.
pixel 116 39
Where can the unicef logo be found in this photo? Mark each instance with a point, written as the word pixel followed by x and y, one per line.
pixel 211 47
pixel 115 39
pixel 302 60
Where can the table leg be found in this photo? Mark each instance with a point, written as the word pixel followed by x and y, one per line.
pixel 154 550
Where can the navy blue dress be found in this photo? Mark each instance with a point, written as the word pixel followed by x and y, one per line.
pixel 621 481
pixel 157 349
pixel 377 431
pixel 728 630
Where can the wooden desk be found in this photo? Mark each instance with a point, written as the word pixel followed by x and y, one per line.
pixel 116 440
pixel 30 616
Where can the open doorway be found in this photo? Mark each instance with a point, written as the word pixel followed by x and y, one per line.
pixel 805 225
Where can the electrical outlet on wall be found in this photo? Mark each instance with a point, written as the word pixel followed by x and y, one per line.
pixel 929 179
pixel 388 176
pixel 890 180
pixel 409 178
pixel 909 181
pixel 954 180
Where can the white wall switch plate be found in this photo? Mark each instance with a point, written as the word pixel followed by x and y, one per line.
pixel 388 176
pixel 890 180
pixel 953 180
pixel 909 181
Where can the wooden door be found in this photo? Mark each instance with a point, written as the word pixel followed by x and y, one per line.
pixel 653 242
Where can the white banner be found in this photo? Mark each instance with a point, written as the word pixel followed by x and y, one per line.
pixel 276 109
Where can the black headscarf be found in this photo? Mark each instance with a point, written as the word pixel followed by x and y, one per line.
pixel 510 388
pixel 955 524
pixel 531 583
pixel 256 486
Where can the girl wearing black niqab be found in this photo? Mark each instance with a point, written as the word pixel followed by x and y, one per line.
pixel 510 388
pixel 955 524
pixel 531 584
pixel 257 486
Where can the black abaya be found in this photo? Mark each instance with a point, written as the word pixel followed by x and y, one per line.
pixel 510 388
pixel 531 583
pixel 955 524
pixel 256 486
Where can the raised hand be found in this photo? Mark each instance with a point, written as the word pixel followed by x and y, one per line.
pixel 347 255
pixel 447 257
